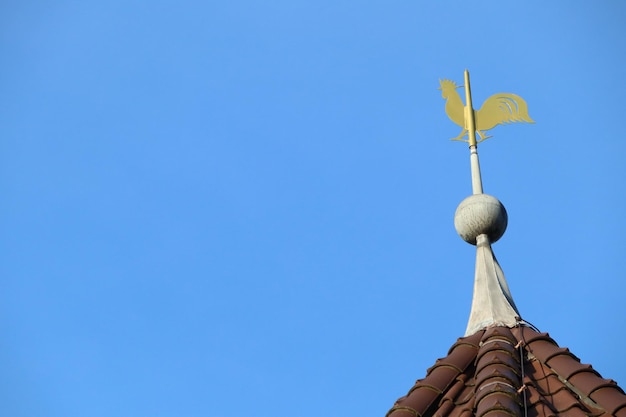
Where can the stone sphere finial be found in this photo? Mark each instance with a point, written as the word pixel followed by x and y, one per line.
pixel 480 214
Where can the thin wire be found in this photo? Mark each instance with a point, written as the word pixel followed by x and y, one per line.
pixel 521 345
pixel 526 322
pixel 521 357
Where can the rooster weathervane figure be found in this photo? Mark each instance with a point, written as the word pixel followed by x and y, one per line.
pixel 498 109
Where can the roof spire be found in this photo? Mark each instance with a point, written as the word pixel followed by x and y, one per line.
pixel 481 219
pixel 485 373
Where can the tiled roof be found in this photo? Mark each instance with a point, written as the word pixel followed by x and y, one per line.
pixel 515 371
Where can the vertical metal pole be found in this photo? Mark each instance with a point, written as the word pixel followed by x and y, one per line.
pixel 470 125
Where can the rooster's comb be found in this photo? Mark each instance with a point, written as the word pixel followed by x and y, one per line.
pixel 446 84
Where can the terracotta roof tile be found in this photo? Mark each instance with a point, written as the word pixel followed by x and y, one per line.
pixel 535 400
pixel 448 401
pixel 510 372
pixel 401 412
pixel 542 409
pixel 588 382
pixel 565 364
pixel 462 412
pixel 564 400
pixel 606 396
pixel 442 375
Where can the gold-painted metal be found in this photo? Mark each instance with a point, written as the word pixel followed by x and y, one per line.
pixel 470 114
pixel 498 109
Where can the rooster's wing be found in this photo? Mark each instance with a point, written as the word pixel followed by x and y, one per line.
pixel 500 109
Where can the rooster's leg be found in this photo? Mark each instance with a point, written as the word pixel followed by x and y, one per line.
pixel 460 137
pixel 482 136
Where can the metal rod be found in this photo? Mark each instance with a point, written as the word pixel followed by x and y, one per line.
pixel 470 125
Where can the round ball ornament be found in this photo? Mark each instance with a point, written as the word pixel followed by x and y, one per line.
pixel 480 214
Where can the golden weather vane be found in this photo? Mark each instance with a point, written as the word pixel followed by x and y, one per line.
pixel 498 109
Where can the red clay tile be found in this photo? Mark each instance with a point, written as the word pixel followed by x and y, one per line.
pixel 542 349
pixel 420 397
pixel 607 396
pixel 564 400
pixel 496 389
pixel 587 382
pixel 402 412
pixel 505 374
pixel 549 385
pixel 541 410
pixel 566 365
pixel 466 397
pixel 574 412
pixel 462 412
pixel 620 412
pixel 455 389
pixel 532 395
pixel 444 409
pixel 535 370
pixel 498 403
pixel 460 356
pixel 441 376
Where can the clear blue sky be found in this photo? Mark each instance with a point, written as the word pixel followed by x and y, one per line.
pixel 245 208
